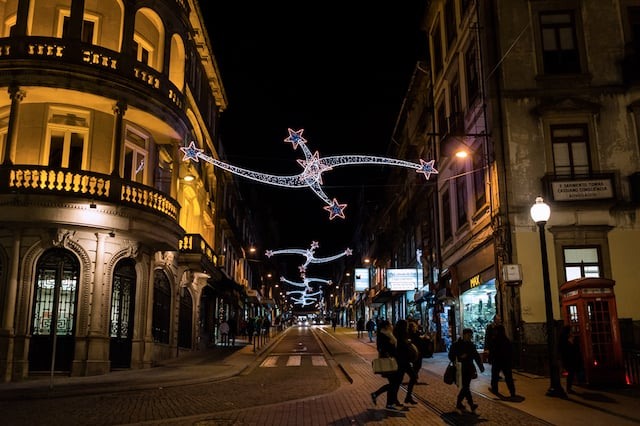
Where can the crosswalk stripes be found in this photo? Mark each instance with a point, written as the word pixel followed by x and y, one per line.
pixel 293 361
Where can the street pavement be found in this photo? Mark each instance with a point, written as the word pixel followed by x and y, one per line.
pixel 350 403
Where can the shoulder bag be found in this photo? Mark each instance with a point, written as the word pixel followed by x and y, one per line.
pixel 384 365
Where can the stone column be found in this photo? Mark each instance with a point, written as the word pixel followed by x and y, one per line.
pixel 98 353
pixel 16 95
pixel 7 332
pixel 118 129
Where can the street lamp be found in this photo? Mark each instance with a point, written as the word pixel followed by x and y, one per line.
pixel 540 213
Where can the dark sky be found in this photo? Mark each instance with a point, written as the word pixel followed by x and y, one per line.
pixel 338 69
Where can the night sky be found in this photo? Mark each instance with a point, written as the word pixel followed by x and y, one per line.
pixel 338 69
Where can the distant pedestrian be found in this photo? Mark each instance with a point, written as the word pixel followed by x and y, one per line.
pixel 571 356
pixel 250 329
pixel 233 330
pixel 465 353
pixel 360 327
pixel 406 355
pixel 501 361
pixel 334 322
pixel 266 326
pixel 386 344
pixel 371 328
pixel 224 333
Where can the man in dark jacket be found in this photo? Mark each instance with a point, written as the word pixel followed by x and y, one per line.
pixel 464 351
pixel 502 360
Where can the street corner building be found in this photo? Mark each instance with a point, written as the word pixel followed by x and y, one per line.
pixel 114 253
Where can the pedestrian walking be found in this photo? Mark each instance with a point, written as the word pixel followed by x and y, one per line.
pixel 224 333
pixel 464 352
pixel 386 344
pixel 422 344
pixel 334 322
pixel 406 355
pixel 501 360
pixel 371 328
pixel 571 356
pixel 360 327
pixel 489 336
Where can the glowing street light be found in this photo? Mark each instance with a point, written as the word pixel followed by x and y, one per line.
pixel 540 213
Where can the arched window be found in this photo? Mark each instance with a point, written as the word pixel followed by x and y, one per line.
pixel 161 307
pixel 185 319
pixel 177 61
pixel 54 311
pixel 123 302
pixel 148 38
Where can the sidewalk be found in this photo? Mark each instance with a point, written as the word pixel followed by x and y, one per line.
pixel 588 406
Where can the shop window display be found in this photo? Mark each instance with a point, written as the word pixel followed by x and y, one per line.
pixel 478 310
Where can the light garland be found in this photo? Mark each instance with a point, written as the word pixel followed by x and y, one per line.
pixel 309 254
pixel 313 166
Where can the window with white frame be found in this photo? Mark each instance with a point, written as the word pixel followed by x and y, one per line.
pixel 135 156
pixel 89 26
pixel 581 262
pixel 66 140
pixel 143 50
pixel 570 144
pixel 9 26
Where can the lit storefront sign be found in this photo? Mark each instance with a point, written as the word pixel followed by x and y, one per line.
pixel 361 280
pixel 404 279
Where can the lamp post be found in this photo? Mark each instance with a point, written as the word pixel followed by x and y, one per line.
pixel 540 213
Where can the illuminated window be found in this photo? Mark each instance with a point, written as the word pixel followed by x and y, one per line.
pixel 90 24
pixel 143 50
pixel 581 262
pixel 66 140
pixel 134 161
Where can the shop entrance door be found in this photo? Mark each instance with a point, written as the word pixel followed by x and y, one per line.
pixel 589 308
pixel 122 314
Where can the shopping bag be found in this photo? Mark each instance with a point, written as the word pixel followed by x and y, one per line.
pixel 450 374
pixel 384 365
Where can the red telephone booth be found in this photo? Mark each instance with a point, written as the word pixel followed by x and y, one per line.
pixel 589 308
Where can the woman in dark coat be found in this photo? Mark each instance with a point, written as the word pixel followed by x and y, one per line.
pixel 386 343
pixel 407 354
pixel 464 351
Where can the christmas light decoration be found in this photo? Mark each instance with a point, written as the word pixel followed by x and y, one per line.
pixel 309 254
pixel 312 168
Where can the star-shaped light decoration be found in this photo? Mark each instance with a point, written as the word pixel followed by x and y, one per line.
pixel 295 137
pixel 191 152
pixel 335 209
pixel 426 168
pixel 313 167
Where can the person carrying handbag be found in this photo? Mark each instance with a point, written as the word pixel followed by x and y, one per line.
pixel 386 344
pixel 465 353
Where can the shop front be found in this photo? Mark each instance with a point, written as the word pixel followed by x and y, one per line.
pixel 478 306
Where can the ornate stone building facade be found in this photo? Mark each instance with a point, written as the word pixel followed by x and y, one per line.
pixel 112 254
